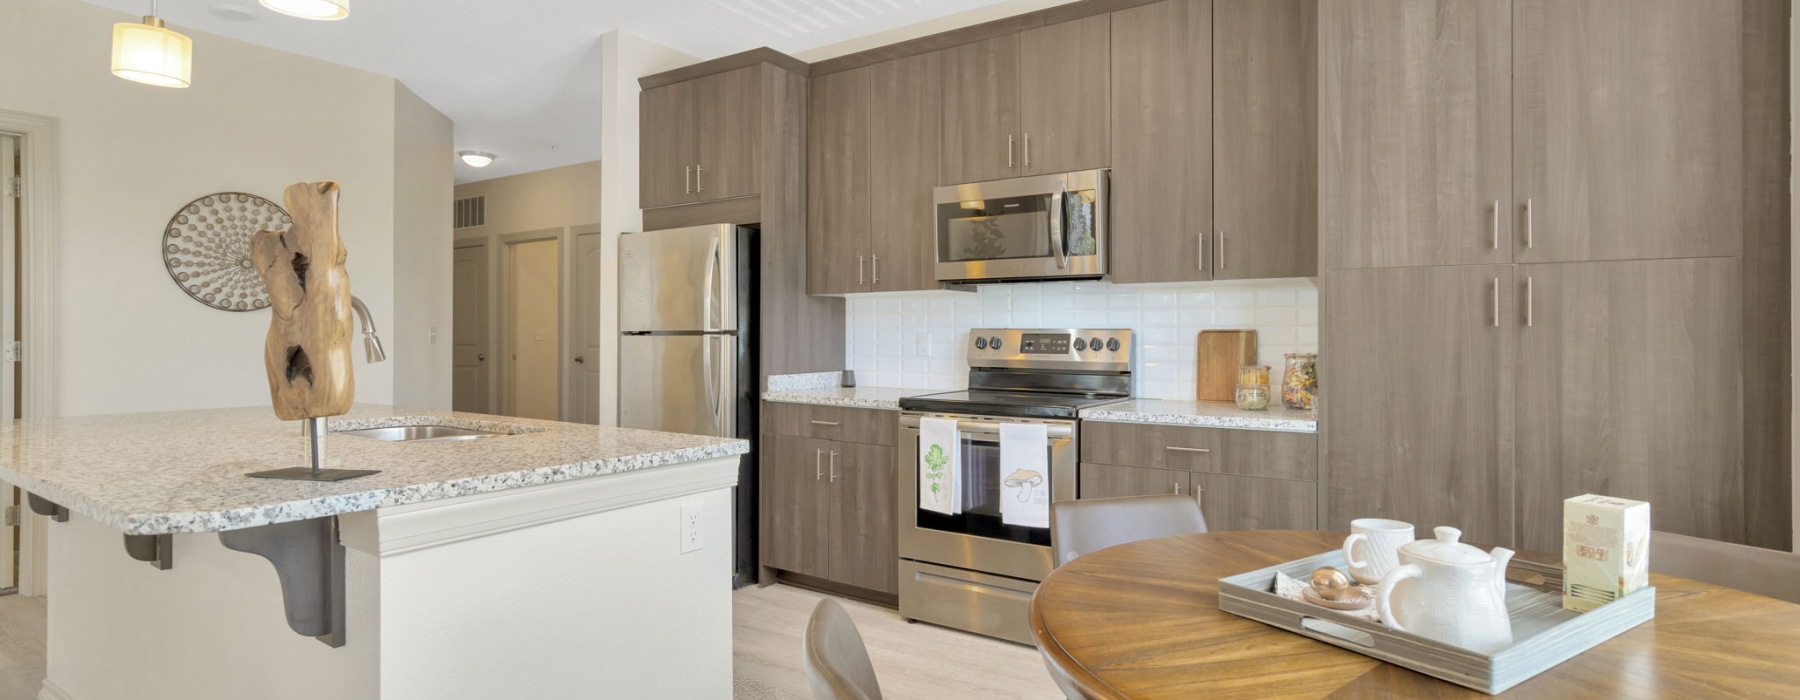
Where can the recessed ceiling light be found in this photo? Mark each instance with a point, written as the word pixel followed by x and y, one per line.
pixel 235 13
pixel 310 9
pixel 476 159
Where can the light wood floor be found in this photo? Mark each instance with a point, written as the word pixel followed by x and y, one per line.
pixel 920 661
pixel 21 647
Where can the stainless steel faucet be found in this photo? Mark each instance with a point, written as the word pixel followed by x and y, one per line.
pixel 371 341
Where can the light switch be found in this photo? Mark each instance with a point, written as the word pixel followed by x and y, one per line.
pixel 542 334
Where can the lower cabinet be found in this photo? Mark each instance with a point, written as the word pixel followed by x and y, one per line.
pixel 1113 481
pixel 828 506
pixel 1254 503
pixel 1243 479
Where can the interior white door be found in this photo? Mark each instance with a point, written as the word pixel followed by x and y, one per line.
pixel 532 318
pixel 9 320
pixel 584 370
pixel 470 388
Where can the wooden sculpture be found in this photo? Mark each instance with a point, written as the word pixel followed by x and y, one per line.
pixel 307 352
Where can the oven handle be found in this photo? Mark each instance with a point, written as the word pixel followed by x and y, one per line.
pixel 1056 225
pixel 1056 431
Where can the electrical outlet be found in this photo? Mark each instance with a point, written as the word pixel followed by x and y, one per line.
pixel 692 526
pixel 922 344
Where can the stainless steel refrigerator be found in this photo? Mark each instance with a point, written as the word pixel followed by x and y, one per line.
pixel 687 355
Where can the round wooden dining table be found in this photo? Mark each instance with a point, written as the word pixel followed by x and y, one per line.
pixel 1142 621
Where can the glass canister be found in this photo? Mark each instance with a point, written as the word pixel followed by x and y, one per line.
pixel 1300 383
pixel 1253 375
pixel 1253 397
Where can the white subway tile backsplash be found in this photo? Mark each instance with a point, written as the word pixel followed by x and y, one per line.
pixel 885 333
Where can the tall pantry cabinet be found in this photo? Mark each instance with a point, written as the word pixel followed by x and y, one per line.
pixel 1541 231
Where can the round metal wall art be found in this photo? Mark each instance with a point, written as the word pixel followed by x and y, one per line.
pixel 206 248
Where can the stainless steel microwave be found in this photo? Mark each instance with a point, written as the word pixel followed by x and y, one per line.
pixel 1039 227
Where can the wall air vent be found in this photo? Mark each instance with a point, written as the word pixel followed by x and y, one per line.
pixel 471 212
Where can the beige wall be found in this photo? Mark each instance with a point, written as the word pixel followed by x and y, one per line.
pixel 424 178
pixel 565 196
pixel 256 120
pixel 531 327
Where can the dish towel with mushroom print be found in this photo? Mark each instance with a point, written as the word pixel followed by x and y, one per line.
pixel 1025 469
pixel 940 466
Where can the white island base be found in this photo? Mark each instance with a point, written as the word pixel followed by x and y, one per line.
pixel 575 589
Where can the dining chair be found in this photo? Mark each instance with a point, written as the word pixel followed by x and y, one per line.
pixel 837 663
pixel 1092 524
pixel 1767 572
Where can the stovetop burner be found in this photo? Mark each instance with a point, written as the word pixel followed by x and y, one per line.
pixel 1050 373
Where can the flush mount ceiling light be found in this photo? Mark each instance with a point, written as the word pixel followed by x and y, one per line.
pixel 151 53
pixel 476 159
pixel 310 9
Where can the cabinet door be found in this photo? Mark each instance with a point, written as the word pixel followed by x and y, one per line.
pixel 795 509
pixel 863 539
pixel 837 172
pixel 667 149
pixel 1265 128
pixel 1253 503
pixel 1111 481
pixel 1418 404
pixel 1063 84
pixel 1629 128
pixel 981 111
pixel 1628 386
pixel 729 134
pixel 904 131
pixel 1162 150
pixel 1415 114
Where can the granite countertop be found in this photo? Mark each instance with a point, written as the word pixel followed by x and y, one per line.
pixel 858 397
pixel 1206 414
pixel 183 471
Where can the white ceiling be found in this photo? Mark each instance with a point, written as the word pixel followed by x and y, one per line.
pixel 521 78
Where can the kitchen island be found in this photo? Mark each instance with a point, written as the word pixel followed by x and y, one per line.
pixel 540 559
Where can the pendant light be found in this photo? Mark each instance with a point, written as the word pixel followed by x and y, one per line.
pixel 151 53
pixel 310 9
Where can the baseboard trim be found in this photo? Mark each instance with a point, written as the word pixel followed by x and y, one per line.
pixel 52 691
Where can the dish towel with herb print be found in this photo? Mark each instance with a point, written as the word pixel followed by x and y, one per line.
pixel 940 466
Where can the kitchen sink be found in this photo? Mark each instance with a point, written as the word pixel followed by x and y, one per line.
pixel 419 433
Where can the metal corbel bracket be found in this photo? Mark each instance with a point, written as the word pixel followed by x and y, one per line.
pixel 45 506
pixel 309 561
pixel 159 550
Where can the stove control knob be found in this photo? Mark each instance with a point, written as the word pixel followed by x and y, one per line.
pixel 1096 343
pixel 1112 344
pixel 980 343
pixel 994 342
pixel 1080 345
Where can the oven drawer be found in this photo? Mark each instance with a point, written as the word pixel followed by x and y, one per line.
pixel 1260 453
pixel 869 426
pixel 997 606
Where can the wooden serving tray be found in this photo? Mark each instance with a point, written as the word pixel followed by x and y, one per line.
pixel 1544 634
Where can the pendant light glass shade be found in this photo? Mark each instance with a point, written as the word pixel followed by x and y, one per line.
pixel 152 54
pixel 310 9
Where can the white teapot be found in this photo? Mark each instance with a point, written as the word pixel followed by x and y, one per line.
pixel 1457 593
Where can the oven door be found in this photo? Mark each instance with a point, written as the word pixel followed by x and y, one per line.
pixel 1025 228
pixel 976 538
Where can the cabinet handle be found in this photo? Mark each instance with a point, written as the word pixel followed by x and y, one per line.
pixel 687 179
pixel 697 188
pixel 818 459
pixel 1200 257
pixel 1530 302
pixel 1496 224
pixel 859 271
pixel 1028 150
pixel 1496 302
pixel 1528 223
pixel 834 465
pixel 1177 488
pixel 1201 450
pixel 875 267
pixel 826 423
pixel 1009 151
pixel 1221 250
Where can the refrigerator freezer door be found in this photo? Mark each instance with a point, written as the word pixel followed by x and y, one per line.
pixel 679 383
pixel 678 280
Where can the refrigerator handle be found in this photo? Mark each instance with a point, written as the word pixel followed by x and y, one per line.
pixel 706 304
pixel 711 379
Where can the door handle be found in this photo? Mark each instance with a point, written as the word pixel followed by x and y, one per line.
pixel 1221 250
pixel 697 188
pixel 1200 257
pixel 834 465
pixel 860 279
pixel 826 423
pixel 1177 488
pixel 1496 302
pixel 1528 223
pixel 481 357
pixel 1173 448
pixel 580 359
pixel 687 179
pixel 1529 303
pixel 1495 224
pixel 818 459
pixel 1028 150
pixel 1056 225
pixel 1009 152
pixel 875 268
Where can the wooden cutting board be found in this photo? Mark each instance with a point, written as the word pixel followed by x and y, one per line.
pixel 1220 355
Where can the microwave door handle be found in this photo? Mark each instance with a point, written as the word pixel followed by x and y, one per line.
pixel 1056 225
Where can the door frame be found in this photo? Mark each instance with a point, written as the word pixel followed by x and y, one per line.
pixel 503 297
pixel 485 243
pixel 569 406
pixel 38 139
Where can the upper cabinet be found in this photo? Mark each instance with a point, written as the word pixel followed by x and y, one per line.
pixel 1027 103
pixel 700 139
pixel 1628 117
pixel 837 177
pixel 1213 132
pixel 1415 119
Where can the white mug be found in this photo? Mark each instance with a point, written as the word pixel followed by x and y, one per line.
pixel 1380 551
